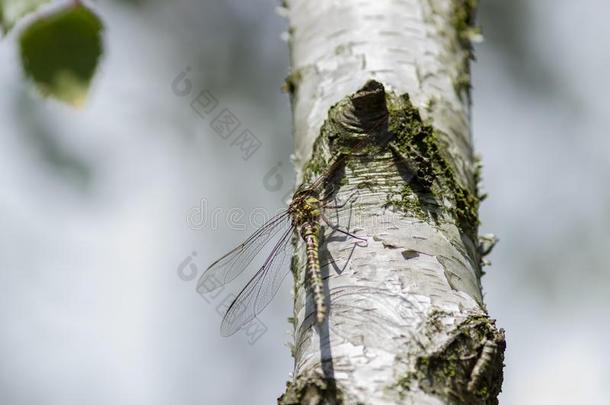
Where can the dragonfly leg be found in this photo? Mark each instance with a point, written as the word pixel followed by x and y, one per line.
pixel 336 228
pixel 329 194
pixel 355 193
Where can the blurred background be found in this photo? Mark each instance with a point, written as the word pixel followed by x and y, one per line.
pixel 107 213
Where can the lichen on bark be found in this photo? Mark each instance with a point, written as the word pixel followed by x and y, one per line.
pixel 464 21
pixel 397 140
pixel 311 390
pixel 467 32
pixel 466 369
pixel 415 177
pixel 436 186
pixel 355 125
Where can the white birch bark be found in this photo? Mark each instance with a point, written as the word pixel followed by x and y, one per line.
pixel 407 322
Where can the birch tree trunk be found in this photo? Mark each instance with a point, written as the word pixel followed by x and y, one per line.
pixel 407 323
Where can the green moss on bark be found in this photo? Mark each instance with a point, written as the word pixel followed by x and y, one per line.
pixel 312 390
pixel 408 201
pixel 355 125
pixel 465 370
pixel 464 20
pixel 435 190
pixel 421 148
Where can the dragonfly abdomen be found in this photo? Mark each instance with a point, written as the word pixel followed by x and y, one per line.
pixel 310 233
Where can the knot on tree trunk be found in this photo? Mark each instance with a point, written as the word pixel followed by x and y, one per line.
pixel 359 116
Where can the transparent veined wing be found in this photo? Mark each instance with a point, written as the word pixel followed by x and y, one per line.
pixel 261 288
pixel 231 265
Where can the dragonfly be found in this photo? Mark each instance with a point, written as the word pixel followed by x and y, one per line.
pixel 303 216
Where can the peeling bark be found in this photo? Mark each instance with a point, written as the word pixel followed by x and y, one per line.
pixel 386 84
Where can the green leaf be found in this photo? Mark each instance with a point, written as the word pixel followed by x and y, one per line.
pixel 59 52
pixel 12 10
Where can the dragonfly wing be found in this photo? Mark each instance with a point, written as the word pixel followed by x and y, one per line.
pixel 260 290
pixel 231 265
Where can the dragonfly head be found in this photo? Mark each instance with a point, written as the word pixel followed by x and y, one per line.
pixel 305 206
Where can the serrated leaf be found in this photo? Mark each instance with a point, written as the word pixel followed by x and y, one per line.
pixel 12 10
pixel 60 52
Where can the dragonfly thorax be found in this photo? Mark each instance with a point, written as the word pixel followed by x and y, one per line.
pixel 305 209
